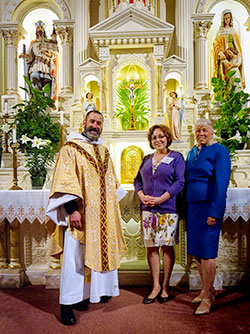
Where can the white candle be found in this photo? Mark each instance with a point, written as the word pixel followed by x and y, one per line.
pixel 6 107
pixel 61 116
pixel 14 133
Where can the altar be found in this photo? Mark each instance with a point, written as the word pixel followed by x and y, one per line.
pixel 24 243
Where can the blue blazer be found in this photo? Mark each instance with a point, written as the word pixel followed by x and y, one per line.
pixel 207 176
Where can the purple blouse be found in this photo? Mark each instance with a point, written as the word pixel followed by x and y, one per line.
pixel 168 177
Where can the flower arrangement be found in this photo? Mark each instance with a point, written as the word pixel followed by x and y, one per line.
pixel 37 135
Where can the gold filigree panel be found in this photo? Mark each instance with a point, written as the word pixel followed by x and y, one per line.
pixel 131 158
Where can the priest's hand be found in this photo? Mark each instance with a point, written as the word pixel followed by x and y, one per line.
pixel 76 220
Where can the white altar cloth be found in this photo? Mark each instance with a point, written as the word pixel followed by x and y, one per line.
pixel 23 204
pixel 32 204
pixel 238 204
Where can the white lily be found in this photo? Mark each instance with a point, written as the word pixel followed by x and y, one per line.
pixel 36 142
pixel 45 142
pixel 25 139
pixel 5 127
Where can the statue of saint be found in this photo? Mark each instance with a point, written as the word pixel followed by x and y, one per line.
pixel 226 38
pixel 174 108
pixel 41 59
pixel 233 62
pixel 89 104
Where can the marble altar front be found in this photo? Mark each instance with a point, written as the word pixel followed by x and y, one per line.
pixel 24 242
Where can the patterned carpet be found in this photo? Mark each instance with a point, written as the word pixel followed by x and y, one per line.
pixel 35 310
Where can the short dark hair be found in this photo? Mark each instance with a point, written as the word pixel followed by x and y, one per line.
pixel 164 129
pixel 91 95
pixel 95 111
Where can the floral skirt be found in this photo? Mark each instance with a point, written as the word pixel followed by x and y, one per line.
pixel 159 229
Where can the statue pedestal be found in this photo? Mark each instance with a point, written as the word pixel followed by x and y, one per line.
pixel 12 278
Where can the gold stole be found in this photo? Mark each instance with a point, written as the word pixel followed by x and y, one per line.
pixel 101 169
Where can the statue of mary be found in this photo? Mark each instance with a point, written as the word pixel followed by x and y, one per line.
pixel 226 37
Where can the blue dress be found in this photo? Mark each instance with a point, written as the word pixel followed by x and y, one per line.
pixel 207 176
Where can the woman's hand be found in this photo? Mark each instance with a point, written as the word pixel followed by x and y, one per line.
pixel 76 221
pixel 151 200
pixel 145 199
pixel 211 221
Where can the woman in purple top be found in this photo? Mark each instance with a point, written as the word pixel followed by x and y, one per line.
pixel 159 179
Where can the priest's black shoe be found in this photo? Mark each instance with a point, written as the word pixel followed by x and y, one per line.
pixel 67 315
pixel 105 299
pixel 81 306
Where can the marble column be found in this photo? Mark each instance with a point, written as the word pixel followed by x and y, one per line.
pixel 159 114
pixel 11 35
pixel 201 24
pixel 80 45
pixel 184 43
pixel 3 245
pixel 103 96
pixel 64 29
pixel 14 245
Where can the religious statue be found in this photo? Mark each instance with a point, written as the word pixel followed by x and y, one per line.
pixel 226 38
pixel 132 87
pixel 89 104
pixel 41 59
pixel 233 62
pixel 174 108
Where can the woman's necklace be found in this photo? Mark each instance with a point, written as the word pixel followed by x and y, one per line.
pixel 157 159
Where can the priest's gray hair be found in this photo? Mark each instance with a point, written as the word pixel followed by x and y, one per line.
pixel 204 122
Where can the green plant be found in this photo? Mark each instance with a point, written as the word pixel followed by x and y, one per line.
pixel 123 104
pixel 233 124
pixel 37 134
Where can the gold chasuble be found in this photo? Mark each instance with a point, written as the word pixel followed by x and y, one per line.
pixel 87 171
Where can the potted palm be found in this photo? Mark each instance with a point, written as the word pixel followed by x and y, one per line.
pixel 140 104
pixel 37 134
pixel 232 127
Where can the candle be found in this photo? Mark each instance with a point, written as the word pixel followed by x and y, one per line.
pixel 6 107
pixel 14 133
pixel 61 116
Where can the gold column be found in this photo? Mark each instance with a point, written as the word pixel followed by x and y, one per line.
pixel 3 245
pixel 14 245
pixel 55 261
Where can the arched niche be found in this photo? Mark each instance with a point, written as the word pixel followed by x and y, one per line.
pixel 17 10
pixel 131 158
pixel 172 82
pixel 28 25
pixel 130 66
pixel 206 6
pixel 91 84
pixel 240 14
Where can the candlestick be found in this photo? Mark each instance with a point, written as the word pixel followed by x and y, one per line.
pixel 61 116
pixel 14 133
pixel 6 146
pixel 15 180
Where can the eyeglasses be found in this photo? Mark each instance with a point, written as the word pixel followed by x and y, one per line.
pixel 153 138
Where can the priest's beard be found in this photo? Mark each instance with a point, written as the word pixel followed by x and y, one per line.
pixel 92 136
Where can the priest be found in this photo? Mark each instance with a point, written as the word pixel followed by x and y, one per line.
pixel 85 220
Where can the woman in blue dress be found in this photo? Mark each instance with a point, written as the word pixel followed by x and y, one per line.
pixel 208 173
